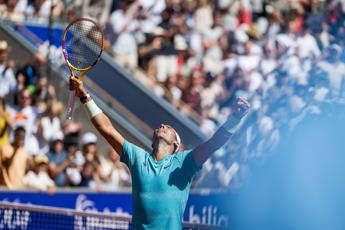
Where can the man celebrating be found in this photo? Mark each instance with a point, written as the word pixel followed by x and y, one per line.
pixel 161 180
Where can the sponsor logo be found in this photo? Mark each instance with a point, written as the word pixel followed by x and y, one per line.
pixel 208 215
pixel 89 222
pixel 14 219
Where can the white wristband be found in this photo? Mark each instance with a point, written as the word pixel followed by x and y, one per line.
pixel 92 109
pixel 232 124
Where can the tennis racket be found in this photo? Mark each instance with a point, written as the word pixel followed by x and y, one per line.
pixel 82 46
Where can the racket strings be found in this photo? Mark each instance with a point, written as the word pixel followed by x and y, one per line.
pixel 84 44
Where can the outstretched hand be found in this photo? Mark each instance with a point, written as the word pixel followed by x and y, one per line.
pixel 78 86
pixel 240 108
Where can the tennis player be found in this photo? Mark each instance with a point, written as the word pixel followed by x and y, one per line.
pixel 161 180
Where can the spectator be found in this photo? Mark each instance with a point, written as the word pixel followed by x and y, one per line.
pixel 148 51
pixel 192 95
pixel 88 177
pixel 173 93
pixel 49 125
pixel 12 12
pixel 97 10
pixel 89 147
pixel 41 10
pixel 58 160
pixel 7 79
pixel 38 177
pixel 14 160
pixel 244 16
pixel 6 123
pixel 113 174
pixel 123 22
pixel 73 153
pixel 335 70
pixel 71 145
pixel 203 17
pixel 315 18
pixel 307 45
pixel 44 93
pixel 27 115
pixel 31 71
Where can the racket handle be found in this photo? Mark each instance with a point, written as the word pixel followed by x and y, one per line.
pixel 70 105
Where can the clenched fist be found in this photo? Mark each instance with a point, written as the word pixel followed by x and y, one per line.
pixel 78 86
pixel 240 108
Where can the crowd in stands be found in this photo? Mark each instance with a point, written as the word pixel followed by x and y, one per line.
pixel 38 149
pixel 285 57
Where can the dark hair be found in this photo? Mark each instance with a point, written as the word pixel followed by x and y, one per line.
pixel 3 102
pixel 19 129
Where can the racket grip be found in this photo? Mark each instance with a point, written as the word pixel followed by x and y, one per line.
pixel 70 105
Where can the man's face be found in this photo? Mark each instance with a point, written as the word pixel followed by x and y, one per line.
pixel 57 146
pixel 90 148
pixel 165 132
pixel 25 99
pixel 38 61
pixel 19 137
pixel 3 56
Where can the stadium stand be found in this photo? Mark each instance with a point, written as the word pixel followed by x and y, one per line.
pixel 185 60
pixel 286 58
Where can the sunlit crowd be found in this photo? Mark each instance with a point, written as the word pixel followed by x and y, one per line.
pixel 285 57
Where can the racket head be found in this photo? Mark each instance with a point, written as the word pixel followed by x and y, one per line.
pixel 82 44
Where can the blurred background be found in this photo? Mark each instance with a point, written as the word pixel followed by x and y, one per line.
pixel 183 63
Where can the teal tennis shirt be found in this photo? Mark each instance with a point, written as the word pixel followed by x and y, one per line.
pixel 159 189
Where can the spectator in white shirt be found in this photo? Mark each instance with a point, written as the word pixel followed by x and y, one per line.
pixel 113 174
pixel 124 23
pixel 49 125
pixel 335 70
pixel 25 114
pixel 11 12
pixel 7 80
pixel 307 45
pixel 38 177
pixel 41 10
pixel 97 10
pixel 203 16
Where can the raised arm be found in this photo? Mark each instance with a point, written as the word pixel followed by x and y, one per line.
pixel 203 151
pixel 98 118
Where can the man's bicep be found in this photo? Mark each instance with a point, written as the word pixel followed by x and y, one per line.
pixel 203 151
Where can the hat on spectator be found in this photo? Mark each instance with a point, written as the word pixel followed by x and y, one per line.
pixel 57 137
pixel 41 159
pixel 88 138
pixel 19 124
pixel 3 45
pixel 254 32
